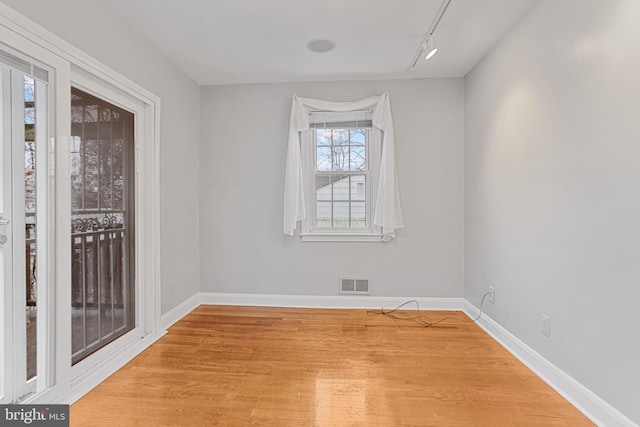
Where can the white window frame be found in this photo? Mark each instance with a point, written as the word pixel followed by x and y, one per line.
pixel 71 66
pixel 309 233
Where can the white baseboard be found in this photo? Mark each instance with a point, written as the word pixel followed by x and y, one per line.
pixel 599 411
pixel 331 301
pixel 179 311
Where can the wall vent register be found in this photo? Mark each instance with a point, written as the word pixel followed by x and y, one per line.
pixel 354 286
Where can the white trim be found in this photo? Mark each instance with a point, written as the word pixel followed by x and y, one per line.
pixel 303 301
pixel 329 301
pixel 179 311
pixel 35 33
pixel 318 237
pixel 587 402
pixel 152 121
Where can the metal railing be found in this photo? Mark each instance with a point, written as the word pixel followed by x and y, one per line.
pixel 100 300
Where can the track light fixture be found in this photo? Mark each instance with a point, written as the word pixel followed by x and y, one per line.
pixel 428 48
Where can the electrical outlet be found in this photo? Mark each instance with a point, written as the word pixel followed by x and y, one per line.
pixel 546 325
pixel 492 295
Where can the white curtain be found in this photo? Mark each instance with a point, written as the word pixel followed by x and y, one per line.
pixel 387 214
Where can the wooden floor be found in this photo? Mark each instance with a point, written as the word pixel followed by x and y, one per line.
pixel 249 366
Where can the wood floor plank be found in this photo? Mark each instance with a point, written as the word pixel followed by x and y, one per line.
pixel 257 366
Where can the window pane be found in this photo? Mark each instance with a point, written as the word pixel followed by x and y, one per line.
pixel 357 136
pixel 341 187
pixel 323 187
pixel 357 162
pixel 340 136
pixel 323 215
pixel 323 159
pixel 340 214
pixel 323 136
pixel 340 157
pixel 358 215
pixel 358 188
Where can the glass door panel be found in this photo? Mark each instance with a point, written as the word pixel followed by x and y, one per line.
pixel 102 218
pixel 22 223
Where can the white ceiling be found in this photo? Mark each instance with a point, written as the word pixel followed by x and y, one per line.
pixel 259 41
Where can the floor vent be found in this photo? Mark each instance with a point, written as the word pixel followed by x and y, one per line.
pixel 354 286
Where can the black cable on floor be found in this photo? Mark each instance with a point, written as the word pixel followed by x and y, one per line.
pixel 423 319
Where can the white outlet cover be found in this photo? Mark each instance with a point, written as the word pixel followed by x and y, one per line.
pixel 546 325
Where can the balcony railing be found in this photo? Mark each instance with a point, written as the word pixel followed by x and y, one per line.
pixel 100 302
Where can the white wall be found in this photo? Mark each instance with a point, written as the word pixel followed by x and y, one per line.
pixel 92 27
pixel 552 189
pixel 242 155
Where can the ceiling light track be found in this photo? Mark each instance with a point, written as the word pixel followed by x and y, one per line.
pixel 427 47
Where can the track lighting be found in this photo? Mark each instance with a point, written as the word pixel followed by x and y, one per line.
pixel 429 48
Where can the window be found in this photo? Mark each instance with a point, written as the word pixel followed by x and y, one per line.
pixel 340 175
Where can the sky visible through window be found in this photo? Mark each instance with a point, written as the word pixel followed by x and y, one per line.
pixel 341 179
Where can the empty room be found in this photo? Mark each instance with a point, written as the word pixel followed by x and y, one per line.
pixel 320 213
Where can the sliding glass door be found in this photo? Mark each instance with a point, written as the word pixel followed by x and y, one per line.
pixel 102 221
pixel 24 223
pixel 101 169
pixel 79 217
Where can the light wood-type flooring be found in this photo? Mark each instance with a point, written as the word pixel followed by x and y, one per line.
pixel 256 366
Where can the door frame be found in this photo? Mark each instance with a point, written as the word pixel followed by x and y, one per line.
pixel 107 92
pixel 69 65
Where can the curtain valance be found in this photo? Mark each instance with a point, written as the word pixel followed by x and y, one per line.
pixel 387 213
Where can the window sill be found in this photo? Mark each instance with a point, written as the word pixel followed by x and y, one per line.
pixel 341 237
